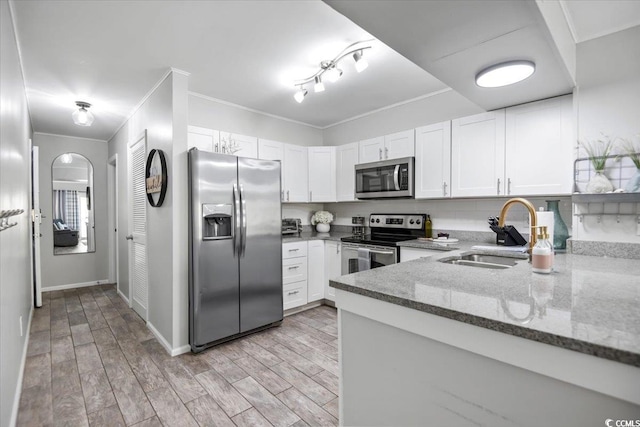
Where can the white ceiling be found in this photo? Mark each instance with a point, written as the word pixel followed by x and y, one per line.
pixel 244 52
pixel 112 53
pixel 589 19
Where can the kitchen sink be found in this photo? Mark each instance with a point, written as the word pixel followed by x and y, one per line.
pixel 495 262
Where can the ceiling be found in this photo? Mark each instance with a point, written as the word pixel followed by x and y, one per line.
pixel 112 53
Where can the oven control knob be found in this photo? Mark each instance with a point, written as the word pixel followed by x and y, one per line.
pixel 411 222
pixel 377 220
pixel 373 220
pixel 418 221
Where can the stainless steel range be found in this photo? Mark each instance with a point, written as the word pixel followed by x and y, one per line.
pixel 379 248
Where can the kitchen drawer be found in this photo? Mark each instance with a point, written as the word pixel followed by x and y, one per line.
pixel 294 269
pixel 294 249
pixel 294 294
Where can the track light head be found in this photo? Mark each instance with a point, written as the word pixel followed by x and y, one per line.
pixel 333 73
pixel 300 94
pixel 361 63
pixel 319 86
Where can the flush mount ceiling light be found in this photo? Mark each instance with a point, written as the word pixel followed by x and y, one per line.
pixel 66 158
pixel 330 70
pixel 505 74
pixel 82 116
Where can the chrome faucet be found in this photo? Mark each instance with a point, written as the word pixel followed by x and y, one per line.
pixel 532 213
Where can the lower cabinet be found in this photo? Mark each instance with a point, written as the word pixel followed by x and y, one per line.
pixel 409 254
pixel 294 295
pixel 315 270
pixel 332 267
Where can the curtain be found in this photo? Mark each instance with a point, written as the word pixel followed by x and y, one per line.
pixel 65 207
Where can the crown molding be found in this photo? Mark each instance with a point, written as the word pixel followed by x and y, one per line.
pixel 69 136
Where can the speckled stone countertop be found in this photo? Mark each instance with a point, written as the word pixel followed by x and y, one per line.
pixel 312 235
pixel 589 304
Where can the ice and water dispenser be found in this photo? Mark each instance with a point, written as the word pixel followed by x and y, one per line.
pixel 217 221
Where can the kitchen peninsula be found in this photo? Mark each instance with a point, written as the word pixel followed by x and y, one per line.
pixel 461 345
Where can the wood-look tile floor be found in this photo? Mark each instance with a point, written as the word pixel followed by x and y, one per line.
pixel 92 361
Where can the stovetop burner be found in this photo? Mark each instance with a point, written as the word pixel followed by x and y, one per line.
pixel 389 229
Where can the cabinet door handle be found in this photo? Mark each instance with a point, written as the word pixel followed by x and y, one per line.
pixel 444 188
pixel 509 186
pixel 386 152
pixel 129 237
pixel 293 267
pixel 310 196
pixel 293 292
pixel 287 195
pixel 337 249
pixel 282 195
pixel 498 186
pixel 294 250
pixel 379 153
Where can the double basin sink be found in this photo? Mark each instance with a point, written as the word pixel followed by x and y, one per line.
pixel 495 262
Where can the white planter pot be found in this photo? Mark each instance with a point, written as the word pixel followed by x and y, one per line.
pixel 322 228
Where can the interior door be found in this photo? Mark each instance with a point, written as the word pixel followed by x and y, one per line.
pixel 138 272
pixel 36 218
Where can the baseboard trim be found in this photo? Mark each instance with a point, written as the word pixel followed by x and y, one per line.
pixel 16 400
pixel 75 285
pixel 124 297
pixel 172 351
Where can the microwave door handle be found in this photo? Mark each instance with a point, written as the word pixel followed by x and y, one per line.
pixel 396 171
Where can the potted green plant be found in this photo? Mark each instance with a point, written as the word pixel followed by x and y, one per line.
pixel 598 152
pixel 632 151
pixel 322 219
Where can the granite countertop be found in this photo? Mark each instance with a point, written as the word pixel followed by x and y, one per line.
pixel 313 235
pixel 588 304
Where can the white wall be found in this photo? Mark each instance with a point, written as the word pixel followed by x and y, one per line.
pixel 15 243
pixel 433 109
pixel 166 225
pixel 61 270
pixel 608 97
pixel 209 113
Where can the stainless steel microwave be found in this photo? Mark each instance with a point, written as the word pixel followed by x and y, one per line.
pixel 385 179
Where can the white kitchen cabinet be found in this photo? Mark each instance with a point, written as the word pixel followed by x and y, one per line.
pixel 322 174
pixel 247 146
pixel 409 254
pixel 346 159
pixel 202 138
pixel 399 144
pixel 296 187
pixel 392 146
pixel 478 155
pixel 332 266
pixel 315 270
pixel 294 274
pixel 539 148
pixel 294 295
pixel 273 150
pixel 372 150
pixel 433 161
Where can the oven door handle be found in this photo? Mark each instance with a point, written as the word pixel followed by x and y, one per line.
pixel 381 252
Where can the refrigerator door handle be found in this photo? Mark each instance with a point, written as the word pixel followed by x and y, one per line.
pixel 236 220
pixel 243 234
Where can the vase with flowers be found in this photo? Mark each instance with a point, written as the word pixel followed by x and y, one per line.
pixel 632 151
pixel 598 152
pixel 322 219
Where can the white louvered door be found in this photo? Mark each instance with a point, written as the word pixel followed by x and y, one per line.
pixel 138 272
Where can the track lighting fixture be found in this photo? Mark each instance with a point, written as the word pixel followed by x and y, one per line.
pixel 361 63
pixel 504 74
pixel 330 70
pixel 82 116
pixel 300 94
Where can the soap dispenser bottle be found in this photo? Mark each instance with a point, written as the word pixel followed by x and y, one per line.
pixel 542 253
pixel 428 228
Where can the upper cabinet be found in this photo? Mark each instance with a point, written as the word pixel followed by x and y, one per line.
pixel 295 184
pixel 273 150
pixel 539 148
pixel 393 146
pixel 346 160
pixel 372 150
pixel 202 138
pixel 477 155
pixel 433 161
pixel 238 145
pixel 322 174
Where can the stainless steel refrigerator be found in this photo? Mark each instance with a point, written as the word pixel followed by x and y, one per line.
pixel 235 251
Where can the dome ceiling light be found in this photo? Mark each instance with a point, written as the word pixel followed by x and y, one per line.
pixel 82 116
pixel 505 73
pixel 330 70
